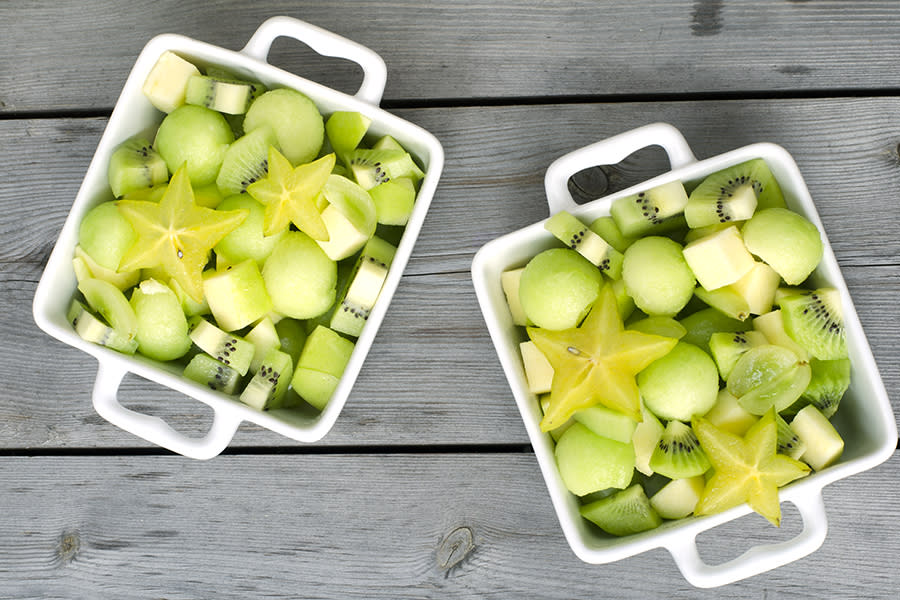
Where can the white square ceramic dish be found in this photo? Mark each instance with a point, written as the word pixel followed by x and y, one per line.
pixel 865 419
pixel 133 114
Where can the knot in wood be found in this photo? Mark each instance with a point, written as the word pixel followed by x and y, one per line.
pixel 455 547
pixel 68 546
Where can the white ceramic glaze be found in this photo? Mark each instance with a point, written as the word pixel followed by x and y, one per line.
pixel 133 114
pixel 865 419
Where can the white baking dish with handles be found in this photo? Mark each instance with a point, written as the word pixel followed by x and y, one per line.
pixel 865 419
pixel 132 115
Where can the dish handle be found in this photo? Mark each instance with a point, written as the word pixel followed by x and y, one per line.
pixel 609 152
pixel 757 559
pixel 154 429
pixel 325 43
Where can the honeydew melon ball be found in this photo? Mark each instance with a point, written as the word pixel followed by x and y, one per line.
pixel 558 288
pixel 657 277
pixel 198 136
pixel 786 241
pixel 162 329
pixel 247 240
pixel 299 276
pixel 105 235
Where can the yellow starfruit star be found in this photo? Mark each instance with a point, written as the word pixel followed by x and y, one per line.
pixel 175 234
pixel 289 194
pixel 747 469
pixel 596 362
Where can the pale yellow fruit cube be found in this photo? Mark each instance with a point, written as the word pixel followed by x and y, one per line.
pixel 538 370
pixel 719 259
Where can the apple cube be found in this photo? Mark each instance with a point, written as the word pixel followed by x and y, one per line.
pixel 719 259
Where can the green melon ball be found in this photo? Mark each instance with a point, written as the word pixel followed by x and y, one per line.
pixel 198 136
pixel 294 118
pixel 299 276
pixel 247 240
pixel 657 276
pixel 558 288
pixel 162 329
pixel 105 235
pixel 680 385
pixel 785 241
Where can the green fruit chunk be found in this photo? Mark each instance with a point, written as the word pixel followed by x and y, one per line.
pixel 212 373
pixel 300 278
pixel 394 201
pixel 576 235
pixel 247 240
pixel 678 454
pixel 227 348
pixel 294 118
pixel 678 498
pixel 135 165
pixel 657 276
pixel 197 136
pixel 267 387
pixel 162 329
pixel 237 296
pixel 346 129
pixel 786 241
pixel 702 324
pixel 110 303
pixel 824 444
pixel 644 212
pixel 349 218
pixel 558 288
pixel 588 463
pixel 681 384
pixel 607 423
pixel 105 235
pixel 321 365
pixel 623 513
pixel 815 321
pixel 92 329
pixel 768 376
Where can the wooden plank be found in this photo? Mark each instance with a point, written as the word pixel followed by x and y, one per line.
pixel 378 526
pixel 492 183
pixel 432 376
pixel 491 50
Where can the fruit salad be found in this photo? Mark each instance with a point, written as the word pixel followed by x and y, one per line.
pixel 247 241
pixel 683 362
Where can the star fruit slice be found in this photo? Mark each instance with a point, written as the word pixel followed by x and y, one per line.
pixel 747 469
pixel 596 363
pixel 289 194
pixel 175 234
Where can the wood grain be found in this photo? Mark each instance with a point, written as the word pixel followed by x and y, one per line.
pixel 65 55
pixel 364 526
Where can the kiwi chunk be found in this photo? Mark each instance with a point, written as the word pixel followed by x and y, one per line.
pixel 752 177
pixel 227 348
pixel 135 165
pixel 372 167
pixel 815 321
pixel 577 236
pixel 90 328
pixel 212 373
pixel 109 301
pixel 788 442
pixel 623 513
pixel 246 161
pixel 639 214
pixel 225 96
pixel 678 453
pixel 827 384
pixel 268 386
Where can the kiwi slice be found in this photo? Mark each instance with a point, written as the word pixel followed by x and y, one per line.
pixel 294 118
pixel 353 310
pixel 204 369
pixel 623 513
pixel 90 328
pixel 246 161
pixel 639 214
pixel 577 236
pixel 226 96
pixel 372 167
pixel 788 442
pixel 816 323
pixel 135 165
pixel 732 194
pixel 268 386
pixel 827 384
pixel 678 453
pixel 227 348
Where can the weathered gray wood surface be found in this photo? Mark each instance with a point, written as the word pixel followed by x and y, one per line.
pixel 430 447
pixel 76 55
pixel 377 526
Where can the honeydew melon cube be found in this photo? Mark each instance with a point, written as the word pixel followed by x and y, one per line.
pixel 509 280
pixel 824 444
pixel 719 259
pixel 343 237
pixel 758 288
pixel 678 498
pixel 538 370
pixel 166 84
pixel 237 296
